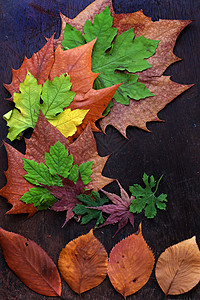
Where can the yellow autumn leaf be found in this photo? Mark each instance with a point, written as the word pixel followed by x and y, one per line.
pixel 67 121
pixel 178 267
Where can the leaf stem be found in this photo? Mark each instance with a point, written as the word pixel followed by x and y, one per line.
pixel 166 296
pixel 158 184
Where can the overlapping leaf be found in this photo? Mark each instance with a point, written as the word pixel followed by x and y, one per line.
pixel 178 267
pixel 44 136
pixel 130 264
pixel 30 263
pixel 138 113
pixel 126 53
pixel 83 263
pixel 119 210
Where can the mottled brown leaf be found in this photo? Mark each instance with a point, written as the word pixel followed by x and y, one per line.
pixel 30 263
pixel 83 263
pixel 130 264
pixel 178 267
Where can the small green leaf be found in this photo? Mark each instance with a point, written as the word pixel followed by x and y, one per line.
pixel 73 176
pixel 39 197
pixel 145 198
pixel 58 160
pixel 39 173
pixel 87 213
pixel 56 95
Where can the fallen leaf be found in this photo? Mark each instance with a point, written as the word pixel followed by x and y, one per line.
pixel 39 65
pixel 77 63
pixel 67 196
pixel 30 263
pixel 138 113
pixel 130 264
pixel 119 210
pixel 87 213
pixel 16 186
pixel 44 136
pixel 67 121
pixel 178 267
pixel 27 104
pixel 83 263
pixel 145 198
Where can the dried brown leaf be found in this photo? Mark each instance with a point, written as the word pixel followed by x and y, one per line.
pixel 178 267
pixel 83 263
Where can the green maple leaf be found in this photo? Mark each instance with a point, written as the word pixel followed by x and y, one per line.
pixel 26 111
pixel 58 163
pixel 58 160
pixel 55 95
pixel 87 213
pixel 126 53
pixel 145 198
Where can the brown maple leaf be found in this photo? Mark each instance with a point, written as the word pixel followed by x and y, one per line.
pixel 119 210
pixel 39 65
pixel 77 63
pixel 46 135
pixel 138 113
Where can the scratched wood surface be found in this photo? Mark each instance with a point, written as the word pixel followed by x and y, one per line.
pixel 172 147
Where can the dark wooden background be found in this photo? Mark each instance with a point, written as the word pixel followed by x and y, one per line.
pixel 172 147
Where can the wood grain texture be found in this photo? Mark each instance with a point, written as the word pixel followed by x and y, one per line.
pixel 172 147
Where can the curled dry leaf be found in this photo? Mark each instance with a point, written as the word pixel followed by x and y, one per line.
pixel 39 272
pixel 130 264
pixel 83 263
pixel 178 267
pixel 45 135
pixel 138 113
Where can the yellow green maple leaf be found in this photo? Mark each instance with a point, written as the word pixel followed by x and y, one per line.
pixel 67 121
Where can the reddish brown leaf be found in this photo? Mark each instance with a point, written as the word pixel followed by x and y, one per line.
pixel 178 267
pixel 138 113
pixel 46 135
pixel 119 210
pixel 77 63
pixel 130 264
pixel 30 263
pixel 39 65
pixel 16 184
pixel 67 196
pixel 83 263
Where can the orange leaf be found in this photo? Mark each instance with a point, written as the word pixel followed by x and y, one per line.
pixel 45 135
pixel 138 113
pixel 39 65
pixel 178 267
pixel 30 263
pixel 130 264
pixel 77 63
pixel 83 263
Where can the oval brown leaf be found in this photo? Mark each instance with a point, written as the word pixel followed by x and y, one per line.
pixel 30 263
pixel 178 267
pixel 130 264
pixel 83 263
